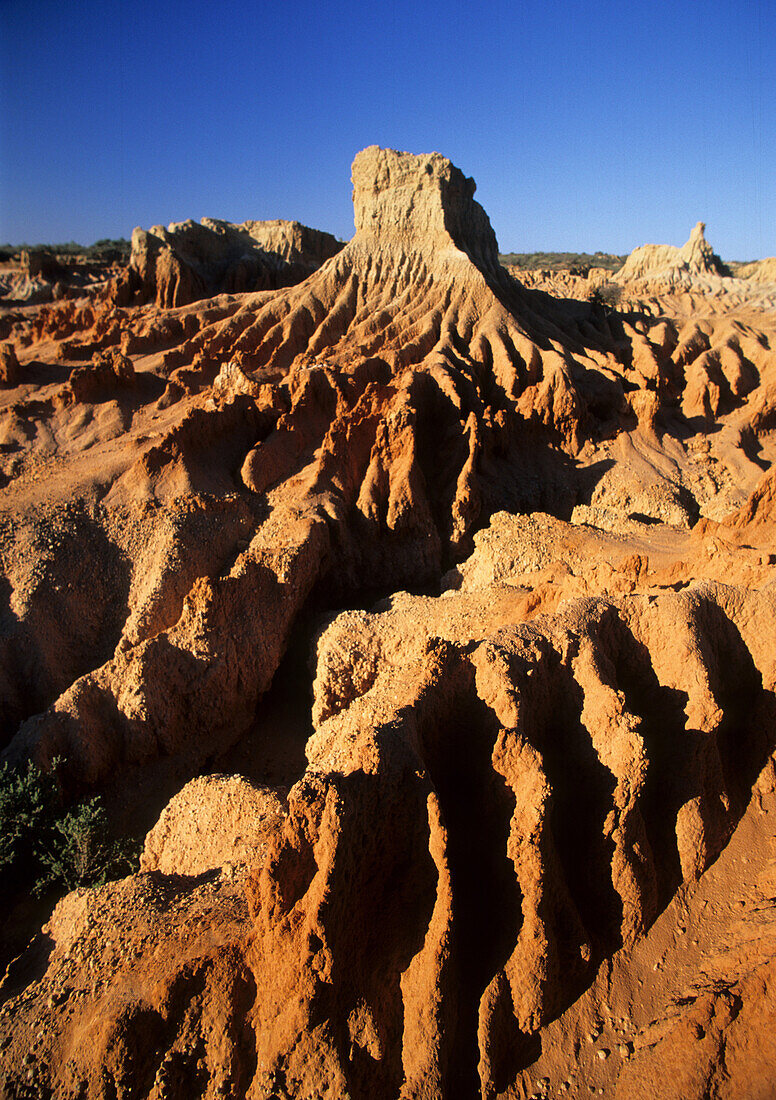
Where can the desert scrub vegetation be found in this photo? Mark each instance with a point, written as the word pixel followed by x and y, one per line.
pixel 45 846
pixel 562 261
pixel 607 297
pixel 106 250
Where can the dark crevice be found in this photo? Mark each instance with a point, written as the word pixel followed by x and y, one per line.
pixel 746 734
pixel 582 798
pixel 477 807
pixel 272 749
pixel 379 901
pixel 662 720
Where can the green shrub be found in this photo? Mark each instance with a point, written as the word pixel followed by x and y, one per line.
pixel 607 296
pixel 79 851
pixel 28 800
pixel 43 845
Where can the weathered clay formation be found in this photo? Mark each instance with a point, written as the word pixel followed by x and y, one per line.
pixel 664 261
pixel 423 621
pixel 696 269
pixel 188 261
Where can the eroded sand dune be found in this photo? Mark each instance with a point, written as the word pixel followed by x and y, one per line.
pixel 508 830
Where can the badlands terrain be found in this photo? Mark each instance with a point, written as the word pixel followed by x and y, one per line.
pixel 419 614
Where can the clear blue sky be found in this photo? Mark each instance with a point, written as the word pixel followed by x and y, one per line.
pixel 587 125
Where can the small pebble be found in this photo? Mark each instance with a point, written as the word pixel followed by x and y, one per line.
pixel 603 1054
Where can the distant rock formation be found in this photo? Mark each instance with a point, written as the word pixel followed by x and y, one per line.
pixel 39 276
pixel 40 264
pixel 759 271
pixel 666 263
pixel 188 261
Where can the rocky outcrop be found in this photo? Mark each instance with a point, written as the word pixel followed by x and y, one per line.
pixel 10 371
pixel 188 261
pixel 419 203
pixel 206 922
pixel 40 276
pixel 583 284
pixel 686 1013
pixel 39 264
pixel 665 263
pixel 214 822
pixel 494 809
pixel 108 371
pixel 760 508
pixel 760 271
pixel 218 652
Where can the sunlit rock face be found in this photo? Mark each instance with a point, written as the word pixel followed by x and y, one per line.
pixel 663 261
pixel 421 203
pixel 188 261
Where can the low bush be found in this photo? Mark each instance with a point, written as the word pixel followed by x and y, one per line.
pixel 44 846
pixel 28 798
pixel 607 296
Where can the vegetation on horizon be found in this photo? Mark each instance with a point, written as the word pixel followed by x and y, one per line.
pixel 106 248
pixel 558 261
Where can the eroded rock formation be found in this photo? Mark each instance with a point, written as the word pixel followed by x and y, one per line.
pixel 186 261
pixel 519 550
pixel 696 273
pixel 760 271
pixel 665 262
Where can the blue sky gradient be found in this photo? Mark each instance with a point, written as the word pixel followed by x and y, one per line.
pixel 586 125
